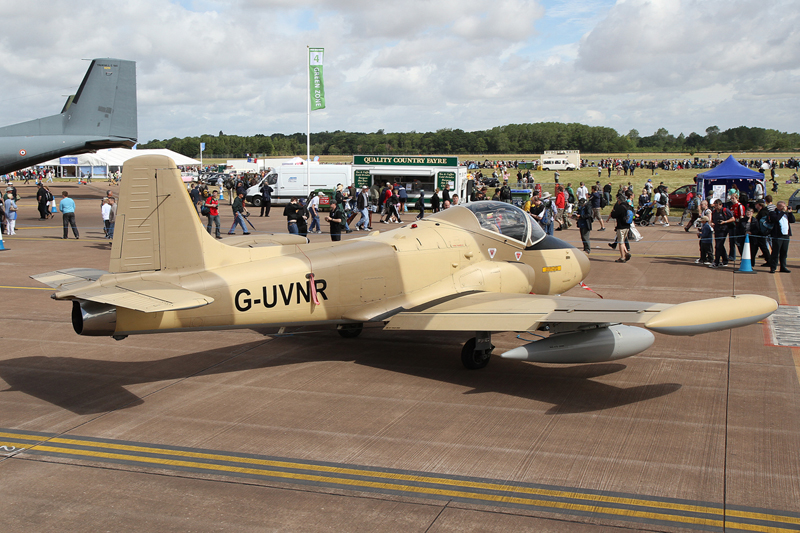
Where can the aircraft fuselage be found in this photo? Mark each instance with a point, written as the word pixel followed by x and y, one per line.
pixel 363 279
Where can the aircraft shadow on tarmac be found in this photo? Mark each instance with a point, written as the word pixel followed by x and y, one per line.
pixel 90 386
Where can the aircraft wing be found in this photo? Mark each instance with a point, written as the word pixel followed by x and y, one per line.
pixel 139 295
pixel 493 312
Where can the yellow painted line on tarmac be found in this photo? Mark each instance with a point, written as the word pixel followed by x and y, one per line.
pixel 386 486
pixel 27 288
pixel 183 459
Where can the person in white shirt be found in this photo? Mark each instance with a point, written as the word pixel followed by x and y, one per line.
pixel 582 192
pixel 106 212
pixel 313 209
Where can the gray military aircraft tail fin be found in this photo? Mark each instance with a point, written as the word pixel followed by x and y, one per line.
pixel 101 114
pixel 105 104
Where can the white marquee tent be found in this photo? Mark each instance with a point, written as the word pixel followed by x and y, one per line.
pixel 104 162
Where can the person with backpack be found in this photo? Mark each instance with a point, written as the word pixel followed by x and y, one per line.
pixel 597 200
pixel 505 193
pixel 561 205
pixel 661 200
pixel 694 208
pixel 42 201
pixel 570 194
pixel 584 222
pixel 211 210
pixel 623 214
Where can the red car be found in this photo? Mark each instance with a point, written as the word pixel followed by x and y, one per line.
pixel 677 198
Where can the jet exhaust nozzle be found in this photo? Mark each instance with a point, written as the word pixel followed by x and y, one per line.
pixel 590 346
pixel 93 319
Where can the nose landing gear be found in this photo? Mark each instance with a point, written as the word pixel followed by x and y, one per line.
pixel 477 351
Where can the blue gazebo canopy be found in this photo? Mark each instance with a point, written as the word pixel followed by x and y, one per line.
pixel 729 173
pixel 731 168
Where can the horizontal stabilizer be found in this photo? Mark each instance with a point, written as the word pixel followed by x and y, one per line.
pixel 69 278
pixel 145 296
pixel 140 295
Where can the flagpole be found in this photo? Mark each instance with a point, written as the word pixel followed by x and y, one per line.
pixel 308 122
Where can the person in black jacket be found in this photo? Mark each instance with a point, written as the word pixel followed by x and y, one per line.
pixel 336 220
pixel 584 217
pixel 291 214
pixel 266 198
pixel 435 201
pixel 781 219
pixel 620 214
pixel 41 199
pixel 239 211
pixel 721 220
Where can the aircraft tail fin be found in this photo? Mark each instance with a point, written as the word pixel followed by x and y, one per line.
pixel 104 108
pixel 157 226
pixel 105 104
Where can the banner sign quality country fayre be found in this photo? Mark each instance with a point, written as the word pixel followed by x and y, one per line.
pixel 405 160
pixel 317 88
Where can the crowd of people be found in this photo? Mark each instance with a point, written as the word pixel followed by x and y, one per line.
pixel 742 217
pixel 724 227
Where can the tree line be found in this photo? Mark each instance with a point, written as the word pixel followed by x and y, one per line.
pixel 509 139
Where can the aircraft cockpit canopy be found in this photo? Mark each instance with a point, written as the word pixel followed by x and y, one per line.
pixel 507 220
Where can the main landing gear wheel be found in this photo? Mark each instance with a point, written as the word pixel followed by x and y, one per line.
pixel 350 331
pixel 475 358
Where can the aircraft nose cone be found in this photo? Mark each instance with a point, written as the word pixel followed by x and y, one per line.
pixel 583 262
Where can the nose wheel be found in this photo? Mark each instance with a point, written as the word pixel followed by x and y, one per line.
pixel 350 331
pixel 477 351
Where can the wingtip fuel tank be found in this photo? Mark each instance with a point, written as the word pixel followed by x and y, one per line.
pixel 716 314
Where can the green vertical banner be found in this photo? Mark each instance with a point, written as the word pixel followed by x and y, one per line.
pixel 317 89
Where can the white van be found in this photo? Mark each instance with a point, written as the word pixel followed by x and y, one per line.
pixel 557 164
pixel 290 181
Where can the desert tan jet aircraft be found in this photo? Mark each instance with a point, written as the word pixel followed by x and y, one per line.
pixel 484 267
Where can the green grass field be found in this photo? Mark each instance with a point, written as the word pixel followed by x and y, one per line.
pixel 672 178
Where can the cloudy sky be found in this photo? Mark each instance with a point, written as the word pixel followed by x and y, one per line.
pixel 240 66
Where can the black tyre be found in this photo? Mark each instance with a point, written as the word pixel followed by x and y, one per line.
pixel 350 331
pixel 257 201
pixel 473 360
